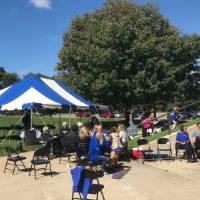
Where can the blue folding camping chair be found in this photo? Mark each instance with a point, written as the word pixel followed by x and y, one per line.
pixel 83 183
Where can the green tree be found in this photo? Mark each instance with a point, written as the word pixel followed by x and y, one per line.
pixel 6 78
pixel 125 54
pixel 37 74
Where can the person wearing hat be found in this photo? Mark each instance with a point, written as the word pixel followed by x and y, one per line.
pixel 64 130
pixel 46 134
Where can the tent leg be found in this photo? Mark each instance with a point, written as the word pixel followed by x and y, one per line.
pixel 70 112
pixel 59 121
pixel 31 118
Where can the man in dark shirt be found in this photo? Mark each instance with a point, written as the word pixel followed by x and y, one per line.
pixel 26 120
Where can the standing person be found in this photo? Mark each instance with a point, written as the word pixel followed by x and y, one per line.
pixel 26 120
pixel 94 121
pixel 196 139
pixel 183 142
pixel 147 125
pixel 127 118
pixel 116 146
pixel 124 138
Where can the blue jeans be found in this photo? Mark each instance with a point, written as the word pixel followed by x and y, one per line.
pixel 103 159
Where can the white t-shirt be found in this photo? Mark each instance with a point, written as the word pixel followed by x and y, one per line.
pixel 124 136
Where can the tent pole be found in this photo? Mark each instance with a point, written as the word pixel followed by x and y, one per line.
pixel 31 117
pixel 59 121
pixel 69 117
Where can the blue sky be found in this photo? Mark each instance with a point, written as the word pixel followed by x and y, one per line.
pixel 31 30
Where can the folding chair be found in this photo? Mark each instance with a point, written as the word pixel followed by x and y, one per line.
pixel 180 150
pixel 83 184
pixel 68 151
pixel 13 158
pixel 83 147
pixel 82 153
pixel 41 157
pixel 56 146
pixel 146 149
pixel 164 145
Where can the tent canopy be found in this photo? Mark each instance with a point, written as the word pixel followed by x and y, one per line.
pixel 35 91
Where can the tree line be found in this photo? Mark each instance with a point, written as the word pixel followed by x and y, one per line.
pixel 126 54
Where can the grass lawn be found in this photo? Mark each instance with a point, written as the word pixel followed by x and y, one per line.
pixel 13 140
pixel 133 142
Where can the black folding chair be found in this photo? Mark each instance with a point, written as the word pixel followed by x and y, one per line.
pixel 94 189
pixel 147 152
pixel 164 145
pixel 56 146
pixel 14 159
pixel 180 150
pixel 68 151
pixel 41 157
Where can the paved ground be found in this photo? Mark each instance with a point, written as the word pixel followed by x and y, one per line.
pixel 164 180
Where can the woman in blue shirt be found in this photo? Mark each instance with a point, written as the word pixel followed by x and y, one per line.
pixel 96 149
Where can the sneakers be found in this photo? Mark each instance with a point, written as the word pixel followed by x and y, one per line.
pixel 192 161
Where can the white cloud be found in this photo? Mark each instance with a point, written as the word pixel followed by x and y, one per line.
pixel 46 4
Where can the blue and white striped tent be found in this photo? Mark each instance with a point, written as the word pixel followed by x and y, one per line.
pixel 35 91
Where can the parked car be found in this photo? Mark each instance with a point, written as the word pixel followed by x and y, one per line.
pixel 187 114
pixel 82 113
pixel 119 115
pixel 106 114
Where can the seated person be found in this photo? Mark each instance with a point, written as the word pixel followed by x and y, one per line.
pixel 96 149
pixel 84 135
pixel 196 139
pixel 183 142
pixel 64 130
pixel 84 141
pixel 174 117
pixel 70 141
pixel 46 134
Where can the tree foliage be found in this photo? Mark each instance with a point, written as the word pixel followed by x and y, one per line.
pixel 37 74
pixel 125 54
pixel 6 78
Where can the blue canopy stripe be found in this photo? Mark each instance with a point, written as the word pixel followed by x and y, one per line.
pixel 33 90
pixel 70 91
pixel 31 81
